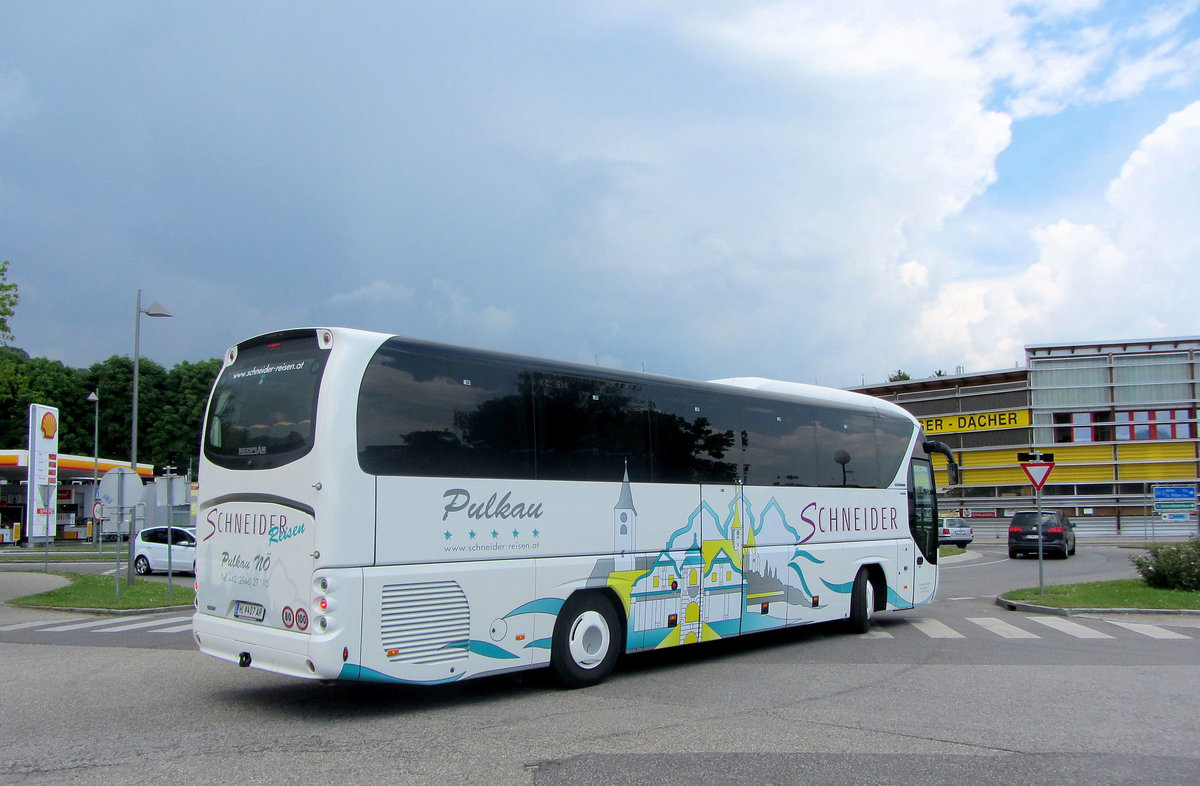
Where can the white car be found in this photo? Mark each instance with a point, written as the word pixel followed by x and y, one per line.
pixel 955 531
pixel 150 550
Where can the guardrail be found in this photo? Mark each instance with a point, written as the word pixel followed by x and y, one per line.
pixel 1149 527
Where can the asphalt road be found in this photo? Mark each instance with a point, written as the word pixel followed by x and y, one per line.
pixel 937 695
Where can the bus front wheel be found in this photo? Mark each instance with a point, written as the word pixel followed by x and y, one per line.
pixel 586 640
pixel 862 602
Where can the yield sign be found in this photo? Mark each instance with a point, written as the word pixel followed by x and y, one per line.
pixel 1037 472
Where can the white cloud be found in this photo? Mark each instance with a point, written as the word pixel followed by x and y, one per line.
pixel 469 323
pixel 376 293
pixel 914 274
pixel 1132 276
pixel 1157 197
pixel 713 189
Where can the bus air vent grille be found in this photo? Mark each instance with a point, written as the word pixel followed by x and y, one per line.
pixel 428 622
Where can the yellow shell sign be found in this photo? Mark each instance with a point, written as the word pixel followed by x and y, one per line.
pixel 49 425
pixel 979 421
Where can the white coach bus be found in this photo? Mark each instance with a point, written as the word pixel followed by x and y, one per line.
pixel 378 508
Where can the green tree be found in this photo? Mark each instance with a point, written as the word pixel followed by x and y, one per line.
pixel 9 298
pixel 112 380
pixel 25 381
pixel 899 375
pixel 14 425
pixel 170 405
pixel 51 383
pixel 173 436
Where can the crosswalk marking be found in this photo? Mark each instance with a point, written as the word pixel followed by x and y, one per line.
pixel 1068 627
pixel 144 624
pixel 1002 628
pixel 176 629
pixel 34 623
pixel 77 626
pixel 935 629
pixel 1153 631
pixel 1011 627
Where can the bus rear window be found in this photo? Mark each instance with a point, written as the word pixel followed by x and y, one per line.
pixel 264 404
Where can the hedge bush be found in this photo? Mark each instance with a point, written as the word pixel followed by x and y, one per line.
pixel 1171 565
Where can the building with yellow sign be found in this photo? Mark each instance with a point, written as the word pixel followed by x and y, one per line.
pixel 1119 418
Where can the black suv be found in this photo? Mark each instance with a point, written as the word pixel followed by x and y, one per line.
pixel 1057 534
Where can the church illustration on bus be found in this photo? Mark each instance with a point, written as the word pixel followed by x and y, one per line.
pixel 701 589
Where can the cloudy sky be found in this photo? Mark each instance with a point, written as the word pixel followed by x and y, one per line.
pixel 820 192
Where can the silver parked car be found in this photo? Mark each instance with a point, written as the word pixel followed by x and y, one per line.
pixel 956 532
pixel 150 550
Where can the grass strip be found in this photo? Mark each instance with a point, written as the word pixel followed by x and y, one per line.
pixel 99 592
pixel 1120 594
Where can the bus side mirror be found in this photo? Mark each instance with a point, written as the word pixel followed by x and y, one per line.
pixel 933 446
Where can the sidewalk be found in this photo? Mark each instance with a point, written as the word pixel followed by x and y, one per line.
pixel 18 584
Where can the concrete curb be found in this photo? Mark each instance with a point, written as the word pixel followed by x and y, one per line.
pixel 15 585
pixel 1013 605
pixel 115 612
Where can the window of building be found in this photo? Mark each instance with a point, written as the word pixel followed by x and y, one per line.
pixel 1083 427
pixel 1147 424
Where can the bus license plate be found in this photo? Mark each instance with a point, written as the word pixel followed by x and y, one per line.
pixel 249 611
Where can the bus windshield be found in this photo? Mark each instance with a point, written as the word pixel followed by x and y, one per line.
pixel 264 403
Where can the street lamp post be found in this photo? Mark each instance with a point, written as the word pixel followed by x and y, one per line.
pixel 156 310
pixel 94 397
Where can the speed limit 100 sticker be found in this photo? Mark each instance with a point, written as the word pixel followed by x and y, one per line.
pixel 289 618
pixel 301 619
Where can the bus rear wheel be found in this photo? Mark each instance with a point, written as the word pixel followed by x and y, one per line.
pixel 862 603
pixel 586 640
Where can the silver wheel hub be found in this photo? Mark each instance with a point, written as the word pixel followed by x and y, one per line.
pixel 590 640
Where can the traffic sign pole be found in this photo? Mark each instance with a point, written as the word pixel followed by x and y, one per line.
pixel 1037 466
pixel 1037 494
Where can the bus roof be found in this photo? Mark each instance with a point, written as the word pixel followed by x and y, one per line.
pixel 836 395
pixel 763 385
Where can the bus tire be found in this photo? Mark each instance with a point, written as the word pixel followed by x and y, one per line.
pixel 862 603
pixel 586 640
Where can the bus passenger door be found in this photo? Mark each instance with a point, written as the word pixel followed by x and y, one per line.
pixel 721 557
pixel 922 522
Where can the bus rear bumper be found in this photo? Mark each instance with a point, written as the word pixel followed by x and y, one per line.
pixel 247 644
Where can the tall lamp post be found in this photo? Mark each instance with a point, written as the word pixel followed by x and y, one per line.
pixel 156 310
pixel 94 397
